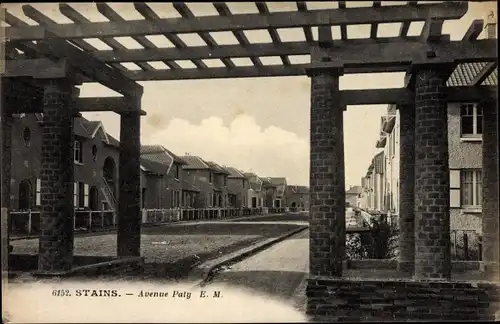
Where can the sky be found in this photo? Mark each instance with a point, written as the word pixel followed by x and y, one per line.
pixel 254 124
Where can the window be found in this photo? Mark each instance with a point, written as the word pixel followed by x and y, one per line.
pixel 471 185
pixel 94 152
pixel 78 152
pixel 27 137
pixel 225 181
pixel 214 200
pixel 210 177
pixel 81 195
pixel 471 120
pixel 177 172
pixel 243 183
pixel 38 192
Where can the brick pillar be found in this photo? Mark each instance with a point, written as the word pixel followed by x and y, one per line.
pixel 57 177
pixel 406 262
pixel 129 177
pixel 432 178
pixel 327 182
pixel 6 124
pixel 490 206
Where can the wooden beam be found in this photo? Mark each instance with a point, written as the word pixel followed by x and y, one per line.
pixel 302 6
pixel 343 27
pixel 475 29
pixel 483 74
pixel 185 12
pixel 223 10
pixel 405 26
pixel 402 96
pixel 150 15
pixel 275 37
pixel 374 27
pixel 354 16
pixel 35 68
pixel 246 72
pixel 368 50
pixel 115 104
pixel 432 29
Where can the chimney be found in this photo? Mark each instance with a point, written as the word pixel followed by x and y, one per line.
pixel 491 26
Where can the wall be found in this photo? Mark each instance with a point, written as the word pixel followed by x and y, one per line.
pixel 269 197
pixel 365 300
pixel 200 179
pixel 391 174
pixel 353 200
pixel 26 160
pixel 235 185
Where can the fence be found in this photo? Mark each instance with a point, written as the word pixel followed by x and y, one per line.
pixel 27 223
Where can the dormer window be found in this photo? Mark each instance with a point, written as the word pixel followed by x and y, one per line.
pixel 27 137
pixel 78 154
pixel 94 152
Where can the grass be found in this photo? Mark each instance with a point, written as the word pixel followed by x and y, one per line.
pixel 171 251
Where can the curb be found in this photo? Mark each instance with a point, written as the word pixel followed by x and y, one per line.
pixel 206 269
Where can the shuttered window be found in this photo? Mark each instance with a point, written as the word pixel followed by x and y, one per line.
pixel 466 188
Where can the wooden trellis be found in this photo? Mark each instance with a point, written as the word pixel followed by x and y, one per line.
pixel 49 49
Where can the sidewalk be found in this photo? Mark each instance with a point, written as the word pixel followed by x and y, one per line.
pixel 146 226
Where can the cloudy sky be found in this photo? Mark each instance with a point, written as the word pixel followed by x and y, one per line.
pixel 255 124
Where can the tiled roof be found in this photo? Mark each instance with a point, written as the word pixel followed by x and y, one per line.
pixel 278 181
pixel 266 182
pixel 354 190
pixel 255 186
pixel 464 73
pixel 217 168
pixel 157 154
pixel 189 187
pixel 113 141
pixel 234 173
pixel 294 189
pixel 194 163
pixel 163 154
pixel 154 166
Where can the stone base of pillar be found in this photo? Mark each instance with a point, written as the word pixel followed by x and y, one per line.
pixel 491 271
pixel 406 267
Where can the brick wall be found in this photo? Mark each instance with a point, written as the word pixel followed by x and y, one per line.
pixel 364 300
pixel 432 177
pixel 327 177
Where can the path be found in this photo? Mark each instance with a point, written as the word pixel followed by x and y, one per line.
pixel 278 271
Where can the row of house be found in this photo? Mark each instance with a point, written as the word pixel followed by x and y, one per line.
pixel 380 186
pixel 167 180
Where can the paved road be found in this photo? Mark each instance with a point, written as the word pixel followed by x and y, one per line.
pixel 278 271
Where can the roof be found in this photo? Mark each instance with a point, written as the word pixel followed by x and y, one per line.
pixel 354 190
pixel 89 128
pixel 217 168
pixel 234 173
pixel 195 163
pixel 189 187
pixel 161 152
pixel 465 73
pixel 294 189
pixel 277 181
pixel 154 167
pixel 266 182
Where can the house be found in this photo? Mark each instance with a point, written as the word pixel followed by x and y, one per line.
pixel 200 175
pixel 270 192
pixel 297 197
pixel 465 153
pixel 220 185
pixel 256 193
pixel 238 185
pixel 163 178
pixel 96 157
pixel 353 196
pixel 373 184
pixel 280 184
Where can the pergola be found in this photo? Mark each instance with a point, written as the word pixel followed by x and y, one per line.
pixel 44 62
